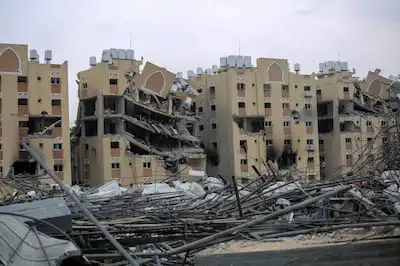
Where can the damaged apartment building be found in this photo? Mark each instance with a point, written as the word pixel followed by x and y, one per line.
pixel 134 124
pixel 34 109
pixel 257 114
pixel 353 118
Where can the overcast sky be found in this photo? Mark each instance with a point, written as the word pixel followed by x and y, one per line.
pixel 185 34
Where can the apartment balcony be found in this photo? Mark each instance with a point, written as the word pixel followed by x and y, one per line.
pixel 244 168
pixel 115 152
pixel 267 111
pixel 287 130
pixel 60 175
pixel 268 130
pixel 309 130
pixel 370 129
pixel 310 147
pixel 286 112
pixel 23 110
pixel 349 146
pixel 242 111
pixel 116 173
pixel 23 132
pixel 114 89
pixel 58 154
pixel 56 132
pixel 22 87
pixel 308 94
pixel 147 172
pixel 346 95
pixel 267 93
pixel 55 88
pixel 241 93
pixel 56 110
pixel 285 94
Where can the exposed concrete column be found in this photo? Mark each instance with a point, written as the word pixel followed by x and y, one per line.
pixel 100 115
pixel 169 104
pixel 81 144
pixel 122 111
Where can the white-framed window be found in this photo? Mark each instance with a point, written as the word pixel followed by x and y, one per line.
pixel 58 168
pixel 57 146
pixel 115 165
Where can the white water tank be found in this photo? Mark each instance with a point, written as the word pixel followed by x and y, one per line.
pixel 130 54
pixel 121 54
pixel 92 61
pixel 223 61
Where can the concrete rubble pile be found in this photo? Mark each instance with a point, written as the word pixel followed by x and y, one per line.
pixel 173 222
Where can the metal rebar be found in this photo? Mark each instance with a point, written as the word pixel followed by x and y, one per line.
pixel 109 237
pixel 237 196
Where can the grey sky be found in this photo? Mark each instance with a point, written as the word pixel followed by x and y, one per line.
pixel 184 34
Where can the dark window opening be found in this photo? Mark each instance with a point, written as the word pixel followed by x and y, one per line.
pixel 241 105
pixel 307 88
pixel 325 126
pixel 22 101
pixel 213 126
pixel 55 102
pixel 22 79
pixel 267 87
pixel 114 144
pixel 55 81
pixel 213 107
pixel 24 167
pixel 113 82
pixel 58 168
pixel 267 105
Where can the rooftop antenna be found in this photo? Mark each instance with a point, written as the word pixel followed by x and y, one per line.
pixel 239 47
pixel 338 56
pixel 130 40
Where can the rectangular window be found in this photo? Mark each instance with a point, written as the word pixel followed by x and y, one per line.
pixel 310 142
pixel 348 157
pixel 115 165
pixel 55 102
pixel 345 89
pixel 267 87
pixel 212 89
pixel 308 124
pixel 269 142
pixel 214 126
pixel 214 144
pixel 285 105
pixel 22 101
pixel 113 82
pixel 201 127
pixel 310 160
pixel 285 87
pixel 287 142
pixel 1 146
pixel 58 168
pixel 286 123
pixel 22 79
pixel 243 161
pixel 268 123
pixel 241 86
pixel 242 105
pixel 321 142
pixel 348 140
pixel 213 107
pixel 307 106
pixel 267 105
pixel 369 123
pixel 384 140
pixel 319 92
pixel 55 81
pixel 114 145
pixel 384 123
pixel 57 146
pixel 200 109
pixel 147 165
pixel 369 140
pixel 200 90
pixel 23 123
pixel 307 88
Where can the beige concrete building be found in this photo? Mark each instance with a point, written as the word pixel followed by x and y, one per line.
pixel 34 108
pixel 252 114
pixel 134 123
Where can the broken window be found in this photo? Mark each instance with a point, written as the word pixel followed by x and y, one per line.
pixel 384 140
pixel 345 89
pixel 201 127
pixel 58 168
pixel 348 140
pixel 384 123
pixel 310 160
pixel 115 165
pixel 55 102
pixel 240 86
pixel 200 90
pixel 22 79
pixel 267 87
pixel 113 82
pixel 214 126
pixel 243 162
pixel 114 145
pixel 369 140
pixel 57 146
pixel 311 177
pixel 200 110
pixel 267 105
pixel 319 92
pixel 55 81
pixel 22 101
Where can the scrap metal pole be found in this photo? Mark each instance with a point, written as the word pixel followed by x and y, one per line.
pixel 241 227
pixel 82 207
pixel 237 196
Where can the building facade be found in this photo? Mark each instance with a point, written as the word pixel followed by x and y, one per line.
pixel 34 108
pixel 252 115
pixel 134 123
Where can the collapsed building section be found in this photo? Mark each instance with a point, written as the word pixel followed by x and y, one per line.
pixel 138 128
